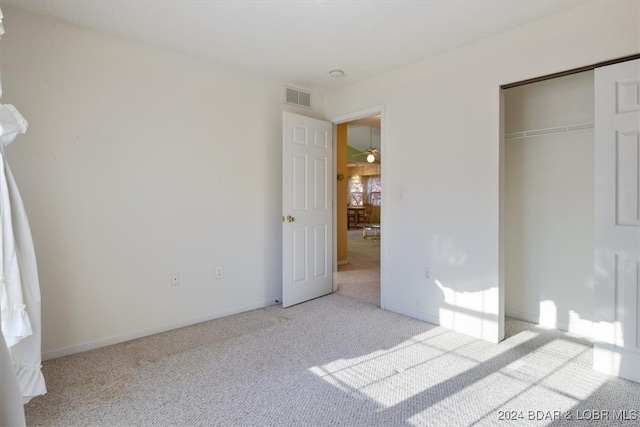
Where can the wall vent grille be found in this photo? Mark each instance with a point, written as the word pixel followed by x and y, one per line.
pixel 297 97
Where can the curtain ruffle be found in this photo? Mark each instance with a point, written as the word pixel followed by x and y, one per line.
pixel 15 324
pixel 12 123
pixel 31 381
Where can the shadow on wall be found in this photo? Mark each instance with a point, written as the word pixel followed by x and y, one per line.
pixel 467 300
pixel 462 310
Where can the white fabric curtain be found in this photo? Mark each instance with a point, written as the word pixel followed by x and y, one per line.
pixel 11 412
pixel 19 284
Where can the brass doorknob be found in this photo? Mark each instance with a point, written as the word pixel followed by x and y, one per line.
pixel 290 218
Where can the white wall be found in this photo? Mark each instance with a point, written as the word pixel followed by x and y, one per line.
pixel 550 204
pixel 140 162
pixel 442 133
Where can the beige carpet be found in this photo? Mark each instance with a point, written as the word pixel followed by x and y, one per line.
pixel 336 360
pixel 360 278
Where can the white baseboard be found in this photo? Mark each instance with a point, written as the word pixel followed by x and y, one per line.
pixel 527 317
pixel 617 361
pixel 582 327
pixel 343 262
pixel 103 342
pixel 583 330
pixel 415 314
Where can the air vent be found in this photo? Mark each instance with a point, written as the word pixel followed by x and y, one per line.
pixel 297 97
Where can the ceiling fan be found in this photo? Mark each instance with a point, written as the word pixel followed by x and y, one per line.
pixel 371 152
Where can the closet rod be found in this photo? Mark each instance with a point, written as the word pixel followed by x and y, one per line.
pixel 574 71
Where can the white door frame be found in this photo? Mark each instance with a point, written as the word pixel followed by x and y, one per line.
pixel 360 114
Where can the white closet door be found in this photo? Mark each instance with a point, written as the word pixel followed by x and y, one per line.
pixel 617 220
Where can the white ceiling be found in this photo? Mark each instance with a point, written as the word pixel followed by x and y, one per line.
pixel 362 137
pixel 299 42
pixel 371 121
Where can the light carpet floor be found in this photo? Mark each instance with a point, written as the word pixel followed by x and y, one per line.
pixel 335 361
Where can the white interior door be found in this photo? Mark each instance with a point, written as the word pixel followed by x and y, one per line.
pixel 307 193
pixel 617 220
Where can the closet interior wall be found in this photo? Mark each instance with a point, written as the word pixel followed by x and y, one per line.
pixel 549 200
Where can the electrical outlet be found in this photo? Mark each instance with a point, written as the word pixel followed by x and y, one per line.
pixel 427 273
pixel 219 272
pixel 175 279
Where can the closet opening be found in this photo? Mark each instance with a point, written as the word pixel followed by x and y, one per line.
pixel 549 202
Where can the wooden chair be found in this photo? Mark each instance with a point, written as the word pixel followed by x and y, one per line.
pixel 351 218
pixel 364 216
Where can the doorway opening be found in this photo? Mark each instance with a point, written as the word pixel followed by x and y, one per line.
pixel 359 201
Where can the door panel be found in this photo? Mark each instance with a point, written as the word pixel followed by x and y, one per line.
pixel 299 178
pixel 299 255
pixel 307 231
pixel 617 226
pixel 628 149
pixel 320 182
pixel 321 251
